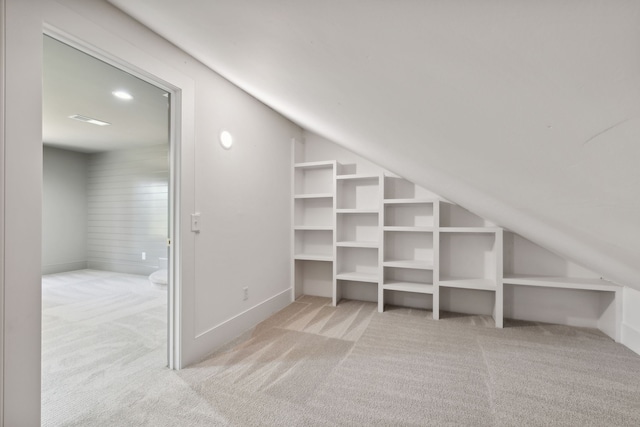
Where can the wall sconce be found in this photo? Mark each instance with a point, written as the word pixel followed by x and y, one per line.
pixel 226 140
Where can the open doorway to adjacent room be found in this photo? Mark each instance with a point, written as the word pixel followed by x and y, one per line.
pixel 106 287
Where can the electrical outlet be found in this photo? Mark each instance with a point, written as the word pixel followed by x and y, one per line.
pixel 144 256
pixel 245 294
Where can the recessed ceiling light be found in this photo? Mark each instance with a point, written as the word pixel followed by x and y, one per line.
pixel 122 95
pixel 89 120
pixel 226 140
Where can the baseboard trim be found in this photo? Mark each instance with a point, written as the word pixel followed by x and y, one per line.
pixel 212 339
pixel 116 267
pixel 631 338
pixel 61 268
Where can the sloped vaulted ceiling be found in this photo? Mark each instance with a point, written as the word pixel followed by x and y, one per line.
pixel 526 112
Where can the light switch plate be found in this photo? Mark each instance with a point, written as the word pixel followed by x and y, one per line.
pixel 195 222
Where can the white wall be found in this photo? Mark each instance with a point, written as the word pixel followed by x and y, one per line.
pixel 22 170
pixel 631 319
pixel 243 194
pixel 2 237
pixel 568 307
pixel 64 210
pixel 128 209
pixel 525 112
pixel 238 192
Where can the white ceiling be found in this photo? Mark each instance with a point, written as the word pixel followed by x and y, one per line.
pixel 76 83
pixel 525 111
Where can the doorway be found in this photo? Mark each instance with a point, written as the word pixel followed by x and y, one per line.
pixel 107 215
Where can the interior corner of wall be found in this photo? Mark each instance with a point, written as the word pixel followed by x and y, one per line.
pixel 631 337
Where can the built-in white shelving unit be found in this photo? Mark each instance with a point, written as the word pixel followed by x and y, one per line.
pixel 313 219
pixel 410 224
pixel 383 231
pixel 357 230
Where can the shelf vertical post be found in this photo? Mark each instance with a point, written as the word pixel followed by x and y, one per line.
pixel 498 311
pixel 381 243
pixel 436 261
pixel 292 241
pixel 335 289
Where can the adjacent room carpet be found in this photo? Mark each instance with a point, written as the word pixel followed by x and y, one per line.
pixel 313 364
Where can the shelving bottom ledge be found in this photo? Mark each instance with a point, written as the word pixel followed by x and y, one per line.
pixel 420 288
pixel 358 277
pixel 479 284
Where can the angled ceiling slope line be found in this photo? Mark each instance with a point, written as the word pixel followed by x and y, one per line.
pixel 527 113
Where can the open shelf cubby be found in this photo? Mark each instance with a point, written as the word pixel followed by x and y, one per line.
pixel 408 250
pixel 314 178
pixel 396 188
pixel 409 215
pixel 471 262
pixel 357 264
pixel 314 212
pixel 358 192
pixel 313 245
pixel 356 272
pixel 455 216
pixel 358 229
pixel 408 280
pixel 313 278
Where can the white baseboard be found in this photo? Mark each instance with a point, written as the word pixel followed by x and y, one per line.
pixel 116 267
pixel 61 268
pixel 209 341
pixel 631 337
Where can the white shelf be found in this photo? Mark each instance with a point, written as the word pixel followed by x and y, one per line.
pixel 315 165
pixel 481 284
pixel 413 264
pixel 562 282
pixel 356 176
pixel 378 226
pixel 314 196
pixel 470 229
pixel 313 228
pixel 358 277
pixel 357 211
pixel 409 229
pixel 419 288
pixel 409 201
pixel 313 257
pixel 358 244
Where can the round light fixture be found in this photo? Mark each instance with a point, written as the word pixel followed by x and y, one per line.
pixel 226 140
pixel 122 95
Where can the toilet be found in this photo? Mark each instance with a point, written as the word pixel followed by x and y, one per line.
pixel 160 278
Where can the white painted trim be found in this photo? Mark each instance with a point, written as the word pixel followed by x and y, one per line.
pixel 61 268
pixel 22 205
pixel 2 213
pixel 174 285
pixel 226 331
pixel 631 337
pixel 174 341
pixel 173 350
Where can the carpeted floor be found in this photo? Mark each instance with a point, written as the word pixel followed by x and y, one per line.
pixel 313 364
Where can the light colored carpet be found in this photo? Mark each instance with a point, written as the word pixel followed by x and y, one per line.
pixel 313 364
pixel 103 334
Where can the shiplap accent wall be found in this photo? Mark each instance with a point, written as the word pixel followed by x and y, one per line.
pixel 127 195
